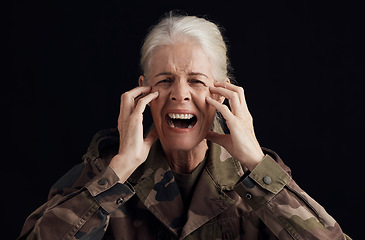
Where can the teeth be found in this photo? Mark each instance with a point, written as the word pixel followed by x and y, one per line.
pixel 180 116
pixel 171 123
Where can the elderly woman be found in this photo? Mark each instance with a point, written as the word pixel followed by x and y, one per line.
pixel 185 179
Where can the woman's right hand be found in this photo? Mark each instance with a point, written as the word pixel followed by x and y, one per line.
pixel 133 148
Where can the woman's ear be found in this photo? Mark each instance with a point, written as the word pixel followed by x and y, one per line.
pixel 141 80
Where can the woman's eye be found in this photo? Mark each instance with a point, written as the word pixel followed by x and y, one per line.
pixel 164 81
pixel 196 81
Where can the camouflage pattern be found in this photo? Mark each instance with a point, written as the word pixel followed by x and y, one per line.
pixel 228 202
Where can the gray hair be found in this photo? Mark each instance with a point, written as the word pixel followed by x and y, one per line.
pixel 174 29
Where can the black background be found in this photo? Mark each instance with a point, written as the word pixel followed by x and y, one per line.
pixel 298 62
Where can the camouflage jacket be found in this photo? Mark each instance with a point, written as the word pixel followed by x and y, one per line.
pixel 228 203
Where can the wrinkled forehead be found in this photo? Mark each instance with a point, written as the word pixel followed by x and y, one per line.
pixel 180 59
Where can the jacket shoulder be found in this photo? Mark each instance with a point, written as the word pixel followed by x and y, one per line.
pixel 103 142
pixel 103 146
pixel 69 178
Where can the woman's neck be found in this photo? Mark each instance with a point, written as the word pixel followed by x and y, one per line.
pixel 185 162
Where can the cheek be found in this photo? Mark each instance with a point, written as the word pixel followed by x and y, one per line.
pixel 155 107
pixel 201 103
pixel 204 92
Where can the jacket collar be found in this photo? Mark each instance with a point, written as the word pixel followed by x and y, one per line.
pixel 155 185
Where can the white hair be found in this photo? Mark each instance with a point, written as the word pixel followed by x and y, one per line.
pixel 175 29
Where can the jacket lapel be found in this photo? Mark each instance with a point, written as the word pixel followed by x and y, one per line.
pixel 209 200
pixel 155 186
pixel 157 189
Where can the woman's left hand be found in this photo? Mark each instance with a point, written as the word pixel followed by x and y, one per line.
pixel 241 143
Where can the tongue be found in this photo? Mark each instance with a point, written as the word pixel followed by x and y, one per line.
pixel 181 123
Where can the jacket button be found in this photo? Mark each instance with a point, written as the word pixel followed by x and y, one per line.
pixel 248 196
pixel 102 181
pixel 267 180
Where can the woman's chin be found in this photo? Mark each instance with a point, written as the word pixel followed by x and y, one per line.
pixel 180 144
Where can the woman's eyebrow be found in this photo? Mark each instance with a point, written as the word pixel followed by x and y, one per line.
pixel 163 73
pixel 190 74
pixel 197 74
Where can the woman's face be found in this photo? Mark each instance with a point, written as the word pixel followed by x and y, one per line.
pixel 182 75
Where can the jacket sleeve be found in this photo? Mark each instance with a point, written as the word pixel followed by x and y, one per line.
pixel 283 206
pixel 78 212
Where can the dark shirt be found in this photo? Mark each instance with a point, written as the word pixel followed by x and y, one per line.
pixel 187 184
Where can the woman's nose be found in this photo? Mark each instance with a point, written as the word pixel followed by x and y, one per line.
pixel 180 92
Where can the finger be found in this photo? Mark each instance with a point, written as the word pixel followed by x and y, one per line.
pixel 237 89
pixel 142 103
pixel 135 92
pixel 127 100
pixel 223 109
pixel 232 96
pixel 230 86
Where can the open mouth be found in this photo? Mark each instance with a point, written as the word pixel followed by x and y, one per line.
pixel 183 120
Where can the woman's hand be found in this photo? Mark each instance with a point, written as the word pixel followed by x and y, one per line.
pixel 133 148
pixel 241 143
